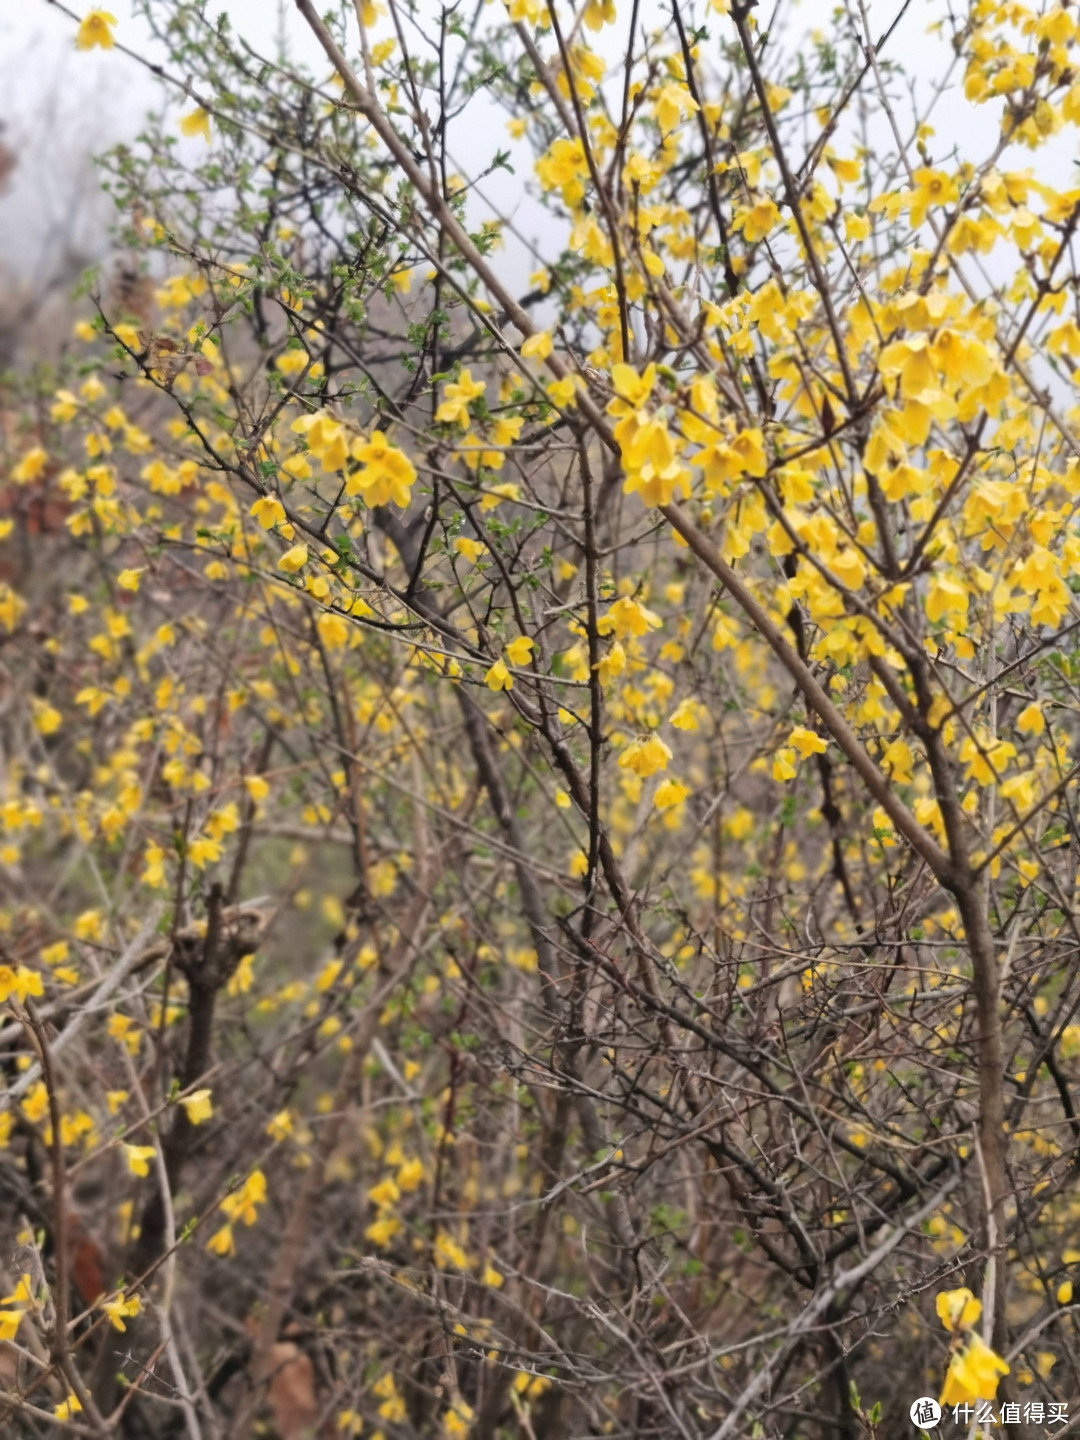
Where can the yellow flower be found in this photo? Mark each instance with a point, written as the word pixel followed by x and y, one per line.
pixel 328 974
pixel 411 1175
pixel 611 665
pixel 457 1420
pixel 67 1408
pixel 118 1309
pixel 297 467
pixel 47 719
pixel 807 742
pixel 518 651
pixel 139 1157
pixel 21 1295
pixel 783 765
pixel 670 792
pixel 256 787
pixel 19 982
pixel 631 388
pixel 846 171
pixel 1031 721
pixel 197 123
pixel 454 409
pixel 333 630
pixel 599 13
pixel 685 715
pixel 565 167
pixel 499 677
pixel 537 347
pixel 294 559
pixel 497 494
pixel 958 1309
pixel 242 1204
pixel 645 757
pixel 1065 1293
pixel 31 467
pixel 628 617
pixel 973 1373
pixel 129 579
pixel 933 188
pixel 385 1194
pixel 946 596
pixel 222 1242
pixel 9 1323
pixel 449 1252
pixel 268 512
pixel 756 222
pixel 96 30
pixel 381 1231
pixel 197 1106
pixel 203 851
pixel 672 102
pixel 280 1126
pixel 386 476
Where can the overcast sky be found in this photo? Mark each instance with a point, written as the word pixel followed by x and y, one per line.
pixel 61 105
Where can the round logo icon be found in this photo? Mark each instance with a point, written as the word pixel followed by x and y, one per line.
pixel 925 1413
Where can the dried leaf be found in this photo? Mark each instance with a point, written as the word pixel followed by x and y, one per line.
pixel 292 1391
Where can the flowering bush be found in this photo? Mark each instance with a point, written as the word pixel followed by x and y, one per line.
pixel 539 862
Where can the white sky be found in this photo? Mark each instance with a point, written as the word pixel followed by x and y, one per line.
pixel 60 106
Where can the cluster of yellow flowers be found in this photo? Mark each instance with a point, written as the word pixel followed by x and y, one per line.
pixel 974 1369
pixel 241 1205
